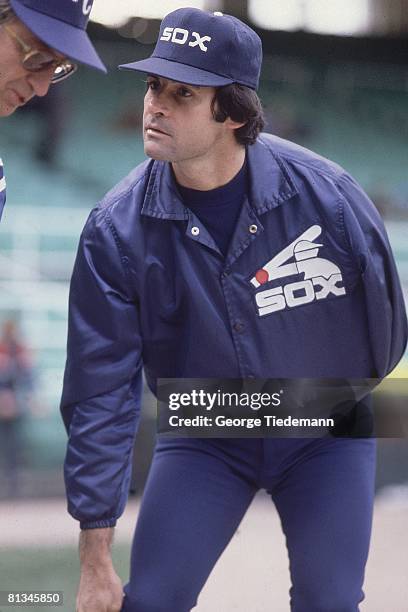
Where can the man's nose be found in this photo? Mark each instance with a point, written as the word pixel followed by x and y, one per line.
pixel 41 81
pixel 157 104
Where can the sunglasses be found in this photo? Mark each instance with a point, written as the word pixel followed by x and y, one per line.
pixel 35 60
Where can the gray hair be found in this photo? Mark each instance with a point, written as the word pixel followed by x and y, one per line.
pixel 6 12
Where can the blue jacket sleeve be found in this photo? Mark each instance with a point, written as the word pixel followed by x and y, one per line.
pixel 366 234
pixel 103 377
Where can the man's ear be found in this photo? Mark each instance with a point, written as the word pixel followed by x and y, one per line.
pixel 234 125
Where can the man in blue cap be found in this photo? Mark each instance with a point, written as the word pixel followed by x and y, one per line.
pixel 41 42
pixel 228 254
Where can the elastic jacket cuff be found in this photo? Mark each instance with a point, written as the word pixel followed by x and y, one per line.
pixel 98 524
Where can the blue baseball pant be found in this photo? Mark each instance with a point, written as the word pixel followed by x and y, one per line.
pixel 198 491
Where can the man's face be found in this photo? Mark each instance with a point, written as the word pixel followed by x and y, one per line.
pixel 18 85
pixel 178 124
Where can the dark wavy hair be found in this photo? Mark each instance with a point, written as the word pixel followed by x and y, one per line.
pixel 240 103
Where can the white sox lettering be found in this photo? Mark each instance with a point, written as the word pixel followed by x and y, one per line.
pixel 321 277
pixel 180 37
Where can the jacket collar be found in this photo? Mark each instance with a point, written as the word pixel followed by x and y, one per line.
pixel 270 184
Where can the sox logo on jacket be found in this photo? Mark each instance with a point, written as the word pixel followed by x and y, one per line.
pixel 321 277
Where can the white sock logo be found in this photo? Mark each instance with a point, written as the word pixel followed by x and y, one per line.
pixel 321 277
pixel 180 37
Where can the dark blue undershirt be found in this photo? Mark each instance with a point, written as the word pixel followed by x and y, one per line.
pixel 218 209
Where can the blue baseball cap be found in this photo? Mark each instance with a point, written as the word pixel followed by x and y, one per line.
pixel 202 48
pixel 61 24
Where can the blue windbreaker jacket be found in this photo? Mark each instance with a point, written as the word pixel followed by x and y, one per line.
pixel 309 288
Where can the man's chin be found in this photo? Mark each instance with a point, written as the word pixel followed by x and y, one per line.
pixel 154 152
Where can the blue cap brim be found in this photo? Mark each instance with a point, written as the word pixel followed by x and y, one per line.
pixel 175 71
pixel 63 37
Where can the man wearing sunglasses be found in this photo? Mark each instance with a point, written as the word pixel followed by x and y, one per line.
pixel 41 42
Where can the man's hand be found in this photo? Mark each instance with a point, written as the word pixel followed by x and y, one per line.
pixel 99 591
pixel 100 588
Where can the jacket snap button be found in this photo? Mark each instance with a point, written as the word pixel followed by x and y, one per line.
pixel 195 230
pixel 253 229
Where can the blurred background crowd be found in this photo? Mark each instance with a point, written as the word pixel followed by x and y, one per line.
pixel 335 79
